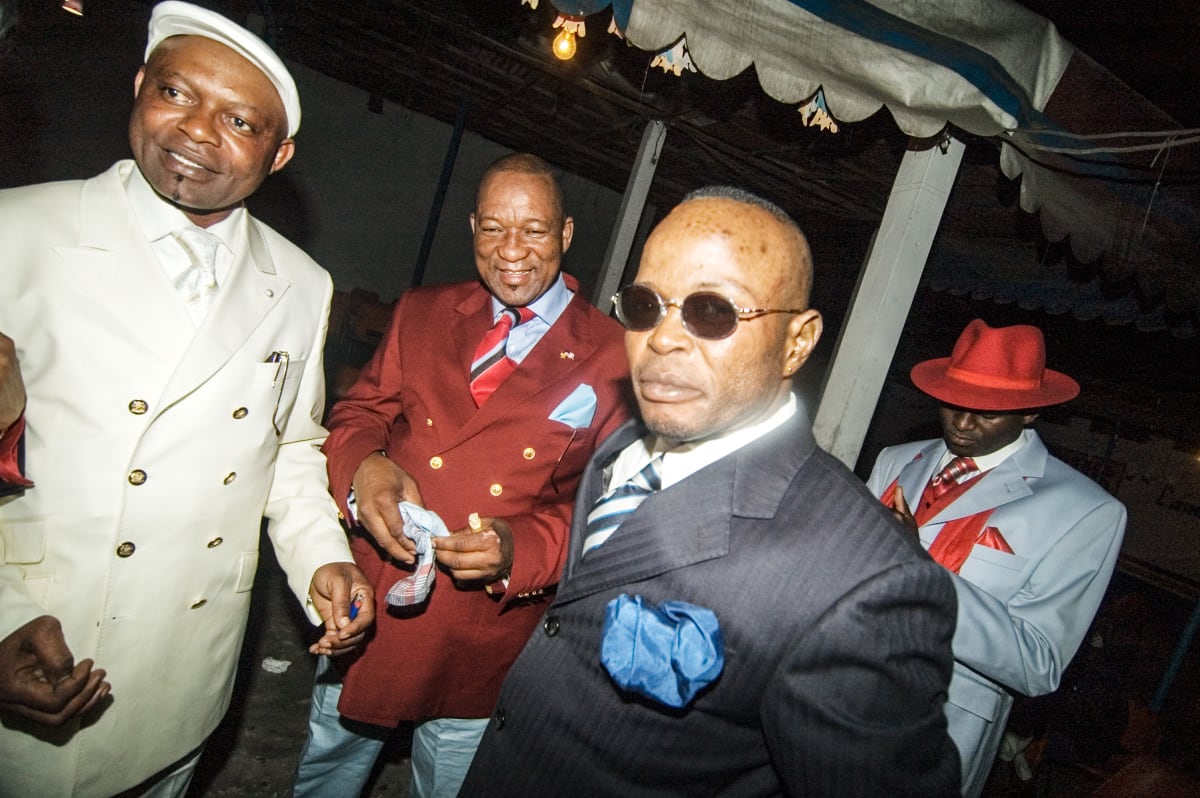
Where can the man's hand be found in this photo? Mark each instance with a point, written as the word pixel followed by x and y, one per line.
pixel 903 514
pixel 39 678
pixel 485 554
pixel 335 586
pixel 379 486
pixel 12 388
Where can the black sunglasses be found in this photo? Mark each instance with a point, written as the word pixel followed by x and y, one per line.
pixel 705 314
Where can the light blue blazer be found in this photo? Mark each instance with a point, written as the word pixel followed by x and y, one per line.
pixel 1021 616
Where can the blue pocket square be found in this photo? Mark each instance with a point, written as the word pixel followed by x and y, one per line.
pixel 668 653
pixel 577 409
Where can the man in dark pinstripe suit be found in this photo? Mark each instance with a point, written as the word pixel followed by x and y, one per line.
pixel 825 630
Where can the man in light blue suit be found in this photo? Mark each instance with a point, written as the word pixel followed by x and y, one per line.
pixel 1031 542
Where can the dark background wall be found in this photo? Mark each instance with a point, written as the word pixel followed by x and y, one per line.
pixel 357 196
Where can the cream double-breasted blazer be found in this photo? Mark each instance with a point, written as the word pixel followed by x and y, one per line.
pixel 156 449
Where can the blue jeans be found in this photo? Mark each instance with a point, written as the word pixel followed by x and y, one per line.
pixel 442 750
pixel 173 782
pixel 339 754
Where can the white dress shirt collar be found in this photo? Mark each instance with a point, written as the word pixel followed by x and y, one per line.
pixel 547 308
pixel 680 461
pixel 986 462
pixel 159 219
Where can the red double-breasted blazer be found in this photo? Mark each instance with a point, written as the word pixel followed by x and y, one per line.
pixel 507 459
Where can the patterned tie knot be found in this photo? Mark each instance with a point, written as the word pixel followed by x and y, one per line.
pixel 201 247
pixel 952 474
pixel 197 284
pixel 491 363
pixel 611 509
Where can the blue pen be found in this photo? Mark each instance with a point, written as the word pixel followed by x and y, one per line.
pixel 354 605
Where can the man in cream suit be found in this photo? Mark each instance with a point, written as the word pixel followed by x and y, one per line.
pixel 1030 542
pixel 757 626
pixel 172 400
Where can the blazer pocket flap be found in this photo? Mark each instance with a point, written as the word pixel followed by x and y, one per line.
pixel 975 694
pixel 247 568
pixel 22 542
pixel 1000 559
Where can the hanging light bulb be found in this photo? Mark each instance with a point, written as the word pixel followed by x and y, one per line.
pixel 564 42
pixel 73 6
pixel 564 45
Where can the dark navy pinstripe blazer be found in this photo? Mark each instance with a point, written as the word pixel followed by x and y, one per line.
pixel 837 630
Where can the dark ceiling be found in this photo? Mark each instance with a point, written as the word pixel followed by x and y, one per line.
pixel 493 59
pixel 490 61
pixel 1148 44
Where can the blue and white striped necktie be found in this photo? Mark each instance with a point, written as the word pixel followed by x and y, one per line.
pixel 619 503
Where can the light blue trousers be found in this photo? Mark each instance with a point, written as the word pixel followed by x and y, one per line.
pixel 339 754
pixel 174 783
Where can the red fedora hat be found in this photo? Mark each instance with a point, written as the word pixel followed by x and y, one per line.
pixel 995 368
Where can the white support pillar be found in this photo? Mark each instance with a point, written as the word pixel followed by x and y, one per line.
pixel 630 214
pixel 883 297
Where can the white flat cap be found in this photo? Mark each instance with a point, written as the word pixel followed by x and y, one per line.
pixel 175 18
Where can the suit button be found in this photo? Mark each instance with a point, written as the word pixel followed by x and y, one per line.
pixel 137 477
pixel 212 544
pixel 550 625
pixel 435 462
pixel 138 407
pixel 126 549
pixel 496 489
pixel 529 453
pixel 498 719
pixel 230 477
pixel 240 413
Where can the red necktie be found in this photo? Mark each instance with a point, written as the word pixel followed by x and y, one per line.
pixel 491 365
pixel 950 476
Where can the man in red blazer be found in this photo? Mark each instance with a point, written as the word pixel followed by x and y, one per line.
pixel 411 430
pixel 12 402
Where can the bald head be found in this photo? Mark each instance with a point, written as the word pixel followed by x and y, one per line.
pixel 744 249
pixel 523 163
pixel 773 236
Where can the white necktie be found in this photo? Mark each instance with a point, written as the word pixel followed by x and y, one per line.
pixel 198 283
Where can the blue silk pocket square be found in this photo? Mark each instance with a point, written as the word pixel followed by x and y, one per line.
pixel 668 653
pixel 577 409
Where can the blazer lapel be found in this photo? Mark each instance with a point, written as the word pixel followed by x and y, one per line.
pixel 1005 483
pixel 917 472
pixel 472 319
pixel 689 522
pixel 114 263
pixel 252 291
pixel 685 524
pixel 561 351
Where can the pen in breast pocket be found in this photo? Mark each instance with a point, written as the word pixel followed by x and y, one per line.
pixel 280 358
